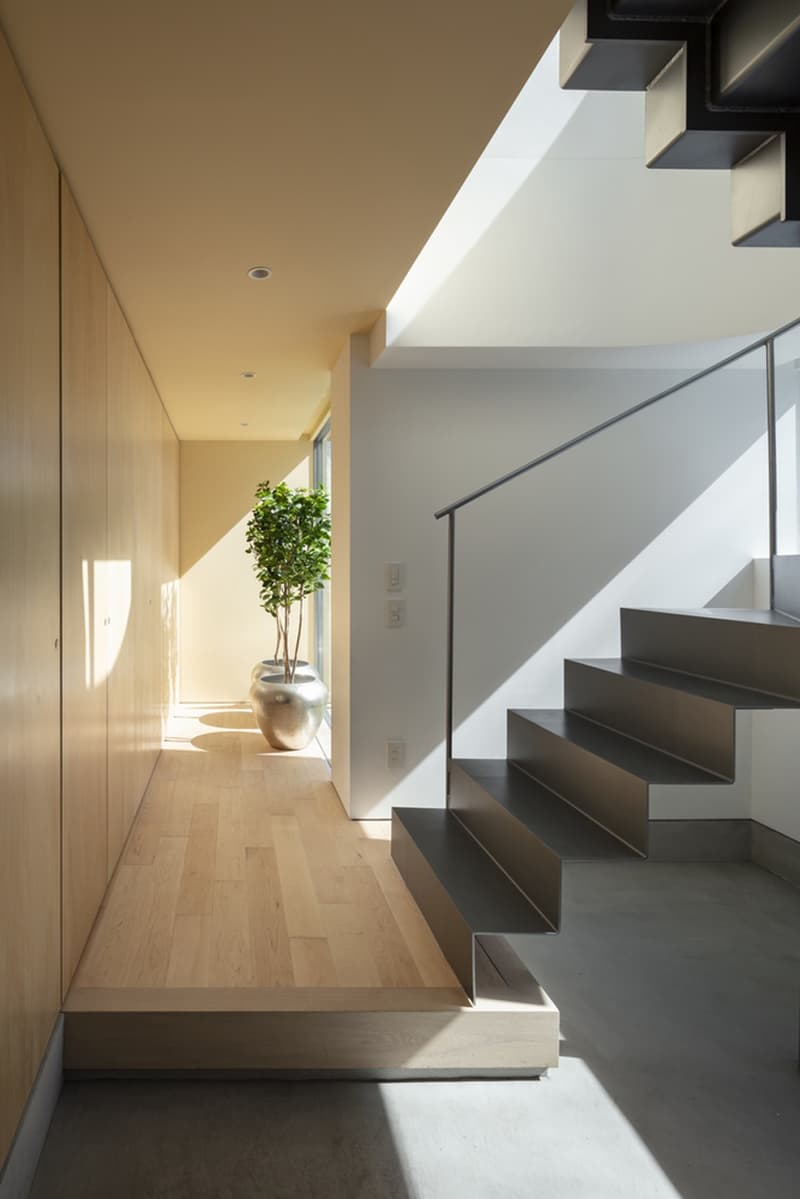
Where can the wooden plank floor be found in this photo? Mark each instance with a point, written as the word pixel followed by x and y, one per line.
pixel 242 871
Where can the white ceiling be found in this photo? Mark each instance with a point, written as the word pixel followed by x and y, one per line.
pixel 203 137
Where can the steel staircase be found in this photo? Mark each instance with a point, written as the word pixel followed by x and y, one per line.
pixel 722 79
pixel 577 784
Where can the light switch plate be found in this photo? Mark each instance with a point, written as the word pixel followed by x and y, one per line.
pixel 395 753
pixel 394 576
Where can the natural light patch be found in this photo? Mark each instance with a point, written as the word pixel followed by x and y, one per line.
pixel 532 125
pixel 563 1137
pixel 113 584
pixel 106 589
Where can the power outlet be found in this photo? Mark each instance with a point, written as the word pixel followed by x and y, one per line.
pixel 395 754
pixel 395 613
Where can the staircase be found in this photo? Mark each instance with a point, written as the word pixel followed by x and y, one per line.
pixel 576 783
pixel 722 79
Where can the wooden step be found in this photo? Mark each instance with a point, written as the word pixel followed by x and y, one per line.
pixel 460 890
pixel 527 828
pixel 318 1032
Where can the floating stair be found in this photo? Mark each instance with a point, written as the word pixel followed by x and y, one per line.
pixel 575 784
pixel 723 92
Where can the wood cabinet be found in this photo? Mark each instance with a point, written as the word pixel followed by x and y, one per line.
pixel 29 598
pixel 88 567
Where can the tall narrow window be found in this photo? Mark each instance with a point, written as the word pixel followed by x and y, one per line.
pixel 322 599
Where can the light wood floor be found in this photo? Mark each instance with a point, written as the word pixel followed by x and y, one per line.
pixel 243 871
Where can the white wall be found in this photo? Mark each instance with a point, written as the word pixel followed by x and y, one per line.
pixel 224 630
pixel 669 509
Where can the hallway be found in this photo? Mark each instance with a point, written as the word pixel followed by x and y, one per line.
pixel 242 870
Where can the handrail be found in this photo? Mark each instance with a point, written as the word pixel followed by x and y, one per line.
pixel 767 342
pixel 613 420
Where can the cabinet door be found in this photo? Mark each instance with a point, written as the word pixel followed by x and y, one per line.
pixel 124 556
pixel 30 898
pixel 84 567
pixel 169 569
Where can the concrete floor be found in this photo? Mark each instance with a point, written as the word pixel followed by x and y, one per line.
pixel 679 990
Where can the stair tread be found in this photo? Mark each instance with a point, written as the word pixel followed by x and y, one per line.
pixel 723 693
pixel 484 895
pixel 763 616
pixel 566 831
pixel 632 756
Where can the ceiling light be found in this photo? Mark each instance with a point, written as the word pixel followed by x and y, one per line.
pixel 248 374
pixel 259 272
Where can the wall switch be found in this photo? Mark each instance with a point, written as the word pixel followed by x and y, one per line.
pixel 395 614
pixel 394 576
pixel 395 753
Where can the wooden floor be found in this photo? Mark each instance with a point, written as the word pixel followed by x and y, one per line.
pixel 251 926
pixel 242 870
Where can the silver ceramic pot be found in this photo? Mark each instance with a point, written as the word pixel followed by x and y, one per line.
pixel 271 666
pixel 289 714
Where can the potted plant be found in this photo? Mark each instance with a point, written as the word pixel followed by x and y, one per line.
pixel 289 537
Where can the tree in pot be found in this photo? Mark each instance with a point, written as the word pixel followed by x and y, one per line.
pixel 289 537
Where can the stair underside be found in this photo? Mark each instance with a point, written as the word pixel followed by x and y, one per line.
pixel 723 92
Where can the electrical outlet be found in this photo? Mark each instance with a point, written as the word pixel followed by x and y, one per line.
pixel 395 753
pixel 395 614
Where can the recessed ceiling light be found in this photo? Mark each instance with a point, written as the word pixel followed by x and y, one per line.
pixel 248 374
pixel 259 272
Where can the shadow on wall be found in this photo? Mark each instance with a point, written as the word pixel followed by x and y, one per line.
pixel 223 628
pixel 663 511
pixel 218 482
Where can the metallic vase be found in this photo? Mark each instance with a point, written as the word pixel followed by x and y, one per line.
pixel 289 714
pixel 273 666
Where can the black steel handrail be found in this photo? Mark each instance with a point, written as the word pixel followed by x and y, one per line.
pixel 767 343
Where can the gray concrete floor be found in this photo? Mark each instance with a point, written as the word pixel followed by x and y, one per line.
pixel 679 989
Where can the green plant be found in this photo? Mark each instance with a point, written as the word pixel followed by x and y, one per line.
pixel 289 536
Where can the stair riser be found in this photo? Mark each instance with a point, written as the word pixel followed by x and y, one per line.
pixel 697 730
pixel 532 865
pixel 614 798
pixel 762 657
pixel 787 584
pixel 454 935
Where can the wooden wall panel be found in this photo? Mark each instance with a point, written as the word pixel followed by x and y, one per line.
pixel 29 598
pixel 84 580
pixel 140 506
pixel 124 431
pixel 170 568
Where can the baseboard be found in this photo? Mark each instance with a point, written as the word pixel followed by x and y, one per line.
pixel 776 852
pixel 16 1176
pixel 700 840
